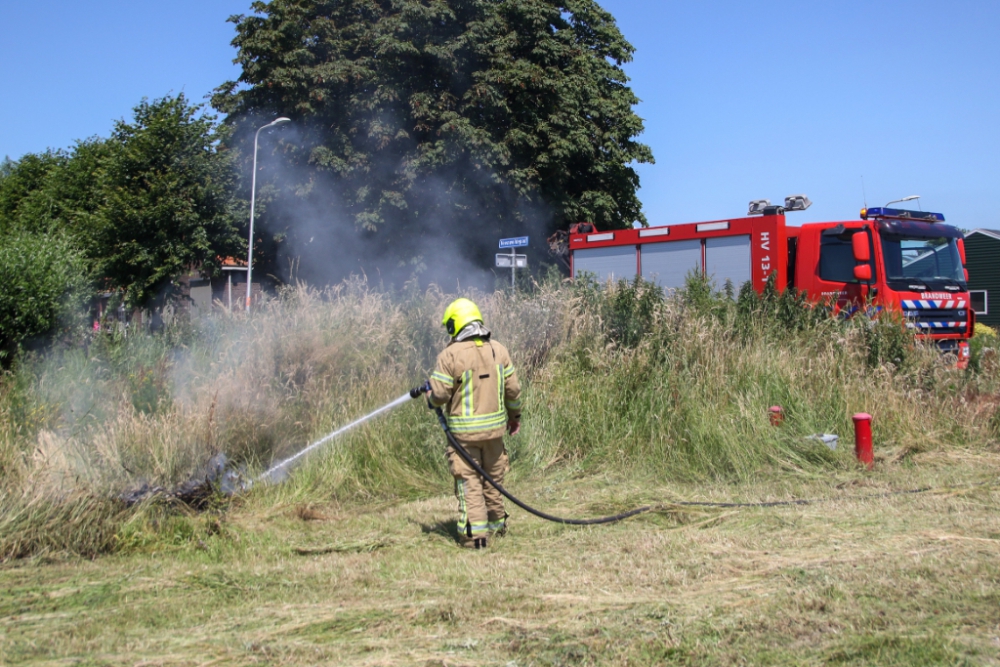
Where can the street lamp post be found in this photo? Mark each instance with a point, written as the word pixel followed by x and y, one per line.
pixel 896 201
pixel 253 193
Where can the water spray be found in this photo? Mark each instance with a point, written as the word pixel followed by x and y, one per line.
pixel 277 471
pixel 218 477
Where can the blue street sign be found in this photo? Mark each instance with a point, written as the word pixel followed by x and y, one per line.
pixel 515 242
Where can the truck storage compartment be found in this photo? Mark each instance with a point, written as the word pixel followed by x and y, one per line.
pixel 666 264
pixel 728 258
pixel 611 262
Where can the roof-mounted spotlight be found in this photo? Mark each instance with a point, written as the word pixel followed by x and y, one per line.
pixel 757 206
pixel 797 203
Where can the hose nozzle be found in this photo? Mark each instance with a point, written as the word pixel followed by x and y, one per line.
pixel 422 389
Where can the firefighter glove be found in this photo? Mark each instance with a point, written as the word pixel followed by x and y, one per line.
pixel 422 389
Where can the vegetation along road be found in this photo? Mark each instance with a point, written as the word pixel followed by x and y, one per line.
pixel 631 398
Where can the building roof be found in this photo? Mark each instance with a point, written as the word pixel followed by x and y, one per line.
pixel 992 233
pixel 240 263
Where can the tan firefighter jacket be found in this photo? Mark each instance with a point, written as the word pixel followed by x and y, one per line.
pixel 475 378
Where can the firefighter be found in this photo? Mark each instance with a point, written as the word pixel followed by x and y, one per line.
pixel 475 384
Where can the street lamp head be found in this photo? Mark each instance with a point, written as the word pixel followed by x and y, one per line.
pixel 910 198
pixel 279 121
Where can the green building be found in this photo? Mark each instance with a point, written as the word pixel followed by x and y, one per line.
pixel 982 259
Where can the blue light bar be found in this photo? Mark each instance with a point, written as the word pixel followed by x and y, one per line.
pixel 900 214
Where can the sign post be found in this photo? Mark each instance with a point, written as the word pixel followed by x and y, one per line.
pixel 514 259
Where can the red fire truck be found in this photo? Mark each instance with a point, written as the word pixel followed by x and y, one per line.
pixel 907 261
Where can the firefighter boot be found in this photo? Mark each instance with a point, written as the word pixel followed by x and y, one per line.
pixel 498 527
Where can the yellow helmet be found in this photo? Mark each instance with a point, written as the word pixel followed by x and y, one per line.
pixel 458 314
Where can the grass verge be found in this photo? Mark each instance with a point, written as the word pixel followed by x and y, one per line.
pixel 856 580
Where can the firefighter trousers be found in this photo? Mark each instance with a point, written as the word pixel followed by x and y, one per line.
pixel 480 506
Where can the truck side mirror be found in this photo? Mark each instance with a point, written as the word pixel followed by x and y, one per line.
pixel 961 250
pixel 862 272
pixel 859 244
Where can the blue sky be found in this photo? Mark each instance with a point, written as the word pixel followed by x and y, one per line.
pixel 741 100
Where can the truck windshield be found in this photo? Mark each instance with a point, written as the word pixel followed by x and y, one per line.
pixel 928 263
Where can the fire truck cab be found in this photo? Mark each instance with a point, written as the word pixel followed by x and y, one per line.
pixel 900 260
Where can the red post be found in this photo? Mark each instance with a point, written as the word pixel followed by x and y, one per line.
pixel 776 414
pixel 863 439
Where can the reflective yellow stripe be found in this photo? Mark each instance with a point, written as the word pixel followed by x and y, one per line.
pixel 463 515
pixel 443 379
pixel 467 393
pixel 478 423
pixel 514 405
pixel 475 419
pixel 507 372
pixel 500 385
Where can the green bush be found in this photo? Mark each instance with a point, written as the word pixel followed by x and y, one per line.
pixel 775 313
pixel 45 289
pixel 627 312
pixel 982 347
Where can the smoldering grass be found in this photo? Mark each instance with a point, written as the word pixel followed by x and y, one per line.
pixel 619 381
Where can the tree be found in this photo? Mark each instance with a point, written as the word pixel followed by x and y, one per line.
pixel 56 192
pixel 150 203
pixel 131 212
pixel 169 202
pixel 23 181
pixel 443 120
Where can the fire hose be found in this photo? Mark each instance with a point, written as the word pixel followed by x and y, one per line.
pixel 461 451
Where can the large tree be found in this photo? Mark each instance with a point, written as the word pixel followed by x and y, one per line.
pixel 169 200
pixel 425 124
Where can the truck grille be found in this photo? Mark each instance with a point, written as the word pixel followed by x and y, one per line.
pixel 936 316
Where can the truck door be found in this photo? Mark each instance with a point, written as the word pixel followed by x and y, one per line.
pixel 608 263
pixel 835 279
pixel 667 264
pixel 728 258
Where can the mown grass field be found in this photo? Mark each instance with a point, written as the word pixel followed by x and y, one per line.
pixel 631 400
pixel 899 580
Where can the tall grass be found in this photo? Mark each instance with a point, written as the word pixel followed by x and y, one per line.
pixel 619 380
